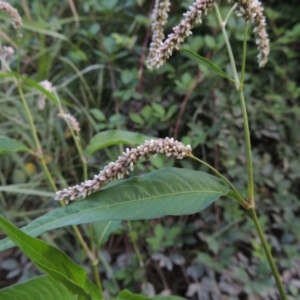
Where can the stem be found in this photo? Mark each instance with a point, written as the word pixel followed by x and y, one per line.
pixel 231 57
pixel 36 139
pixel 246 124
pixel 97 277
pixel 135 246
pixel 92 258
pixel 239 87
pixel 251 203
pixel 229 14
pixel 88 252
pixel 268 253
pixel 248 151
pixel 77 141
pixel 240 198
pixel 244 54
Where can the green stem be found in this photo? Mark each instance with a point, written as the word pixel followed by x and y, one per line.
pixel 231 57
pixel 240 198
pixel 135 246
pixel 248 151
pixel 244 54
pixel 251 203
pixel 230 12
pixel 97 278
pixel 239 86
pixel 268 253
pixel 39 151
pixel 94 261
pixel 246 124
pixel 89 253
pixel 77 141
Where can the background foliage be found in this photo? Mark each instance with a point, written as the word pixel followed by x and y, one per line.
pixel 93 52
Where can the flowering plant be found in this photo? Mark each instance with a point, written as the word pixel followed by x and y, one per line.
pixel 169 191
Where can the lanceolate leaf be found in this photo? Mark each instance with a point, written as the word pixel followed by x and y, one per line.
pixel 168 191
pixel 42 287
pixel 114 137
pixel 8 145
pixel 204 61
pixel 53 261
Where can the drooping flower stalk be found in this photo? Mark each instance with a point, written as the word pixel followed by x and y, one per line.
pixel 180 32
pixel 122 165
pixel 252 10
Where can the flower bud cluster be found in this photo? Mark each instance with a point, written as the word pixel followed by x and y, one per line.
pixel 122 165
pixel 6 52
pixel 181 32
pixel 69 118
pixel 47 85
pixel 252 10
pixel 17 20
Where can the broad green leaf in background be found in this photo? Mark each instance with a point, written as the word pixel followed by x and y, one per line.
pixel 115 137
pixel 53 261
pixel 8 145
pixel 169 191
pixel 204 61
pixel 42 287
pixel 127 295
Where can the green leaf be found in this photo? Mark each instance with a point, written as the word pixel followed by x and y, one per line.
pixel 159 109
pixel 8 145
pixel 204 61
pixel 60 277
pixel 98 114
pixel 168 191
pixel 42 287
pixel 136 118
pixel 53 261
pixel 115 137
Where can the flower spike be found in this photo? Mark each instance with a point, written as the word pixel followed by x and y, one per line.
pixel 122 165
